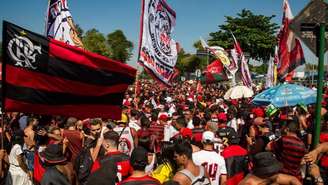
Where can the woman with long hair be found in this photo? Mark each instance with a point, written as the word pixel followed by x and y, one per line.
pixel 167 166
pixel 18 173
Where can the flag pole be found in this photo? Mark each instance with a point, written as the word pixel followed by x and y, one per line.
pixel 321 54
pixel 135 88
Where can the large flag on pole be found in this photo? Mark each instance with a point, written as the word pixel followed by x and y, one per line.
pixel 45 76
pixel 60 25
pixel 219 53
pixel 290 51
pixel 157 50
pixel 246 76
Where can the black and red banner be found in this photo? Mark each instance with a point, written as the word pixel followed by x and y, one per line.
pixel 45 76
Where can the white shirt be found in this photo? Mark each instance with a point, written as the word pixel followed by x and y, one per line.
pixel 126 142
pixel 190 125
pixel 15 151
pixel 134 124
pixel 214 164
pixel 169 132
pixel 233 123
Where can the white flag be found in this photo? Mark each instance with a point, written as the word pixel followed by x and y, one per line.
pixel 60 24
pixel 270 74
pixel 158 51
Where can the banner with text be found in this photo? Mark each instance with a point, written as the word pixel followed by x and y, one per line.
pixel 157 50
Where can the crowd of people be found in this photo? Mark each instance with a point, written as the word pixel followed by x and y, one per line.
pixel 171 136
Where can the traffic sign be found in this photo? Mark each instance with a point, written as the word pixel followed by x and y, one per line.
pixel 305 25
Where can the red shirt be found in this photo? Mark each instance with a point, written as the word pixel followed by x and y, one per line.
pixel 75 143
pixel 290 151
pixel 122 161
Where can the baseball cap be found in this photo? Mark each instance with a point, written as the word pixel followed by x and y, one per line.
pixel 259 112
pixel 163 117
pixel 271 110
pixel 222 116
pixel 186 132
pixel 208 137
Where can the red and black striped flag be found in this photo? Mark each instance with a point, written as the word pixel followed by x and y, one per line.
pixel 290 51
pixel 45 76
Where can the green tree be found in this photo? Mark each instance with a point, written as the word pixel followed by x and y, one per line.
pixel 179 65
pixel 188 63
pixel 95 41
pixel 120 47
pixel 262 69
pixel 198 45
pixel 191 63
pixel 255 33
pixel 79 31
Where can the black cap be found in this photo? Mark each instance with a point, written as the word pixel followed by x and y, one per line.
pixel 139 157
pixel 265 163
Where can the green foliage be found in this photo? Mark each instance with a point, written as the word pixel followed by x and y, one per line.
pixel 191 63
pixel 188 63
pixel 262 69
pixel 120 47
pixel 79 31
pixel 179 65
pixel 114 46
pixel 255 33
pixel 95 41
pixel 198 45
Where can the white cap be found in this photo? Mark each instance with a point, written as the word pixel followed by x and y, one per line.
pixel 168 99
pixel 208 136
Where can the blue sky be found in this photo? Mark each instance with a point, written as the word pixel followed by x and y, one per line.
pixel 195 18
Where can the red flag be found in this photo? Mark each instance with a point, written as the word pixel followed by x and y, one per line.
pixel 290 50
pixel 214 72
pixel 51 77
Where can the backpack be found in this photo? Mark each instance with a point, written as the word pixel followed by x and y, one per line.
pixel 82 165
